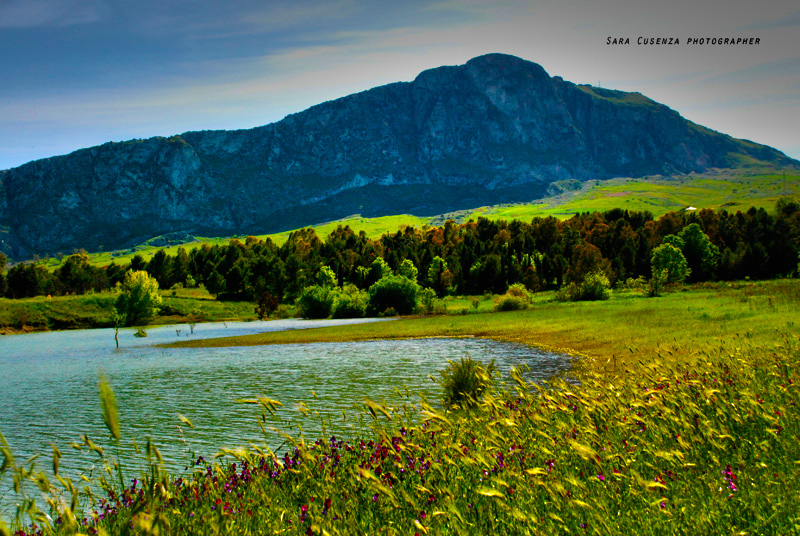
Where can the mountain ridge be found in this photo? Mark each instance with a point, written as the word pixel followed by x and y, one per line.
pixel 496 129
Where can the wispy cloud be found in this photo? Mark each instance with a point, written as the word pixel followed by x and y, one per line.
pixel 789 21
pixel 788 67
pixel 49 13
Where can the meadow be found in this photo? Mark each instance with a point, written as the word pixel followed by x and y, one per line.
pixel 679 417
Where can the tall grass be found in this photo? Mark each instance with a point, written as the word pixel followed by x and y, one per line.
pixel 700 442
pixel 697 436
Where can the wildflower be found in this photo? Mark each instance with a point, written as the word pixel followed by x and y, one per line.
pixel 601 477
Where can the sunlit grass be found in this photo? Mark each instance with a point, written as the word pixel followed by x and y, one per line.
pixel 723 190
pixel 680 418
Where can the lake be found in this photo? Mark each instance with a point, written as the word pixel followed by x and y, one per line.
pixel 49 386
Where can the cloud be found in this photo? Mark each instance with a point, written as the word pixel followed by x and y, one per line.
pixel 788 67
pixel 788 21
pixel 49 13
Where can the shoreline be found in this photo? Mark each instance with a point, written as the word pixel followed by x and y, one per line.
pixel 609 335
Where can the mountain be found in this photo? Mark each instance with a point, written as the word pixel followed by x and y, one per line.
pixel 497 129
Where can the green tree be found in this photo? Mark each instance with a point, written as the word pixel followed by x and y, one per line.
pixel 393 292
pixel 215 283
pixel 316 302
pixel 3 261
pixel 160 267
pixel 138 299
pixel 407 269
pixel 669 264
pixel 26 280
pixel 75 274
pixel 377 270
pixel 701 255
pixel 326 277
pixel 439 276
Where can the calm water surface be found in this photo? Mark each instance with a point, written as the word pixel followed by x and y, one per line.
pixel 49 393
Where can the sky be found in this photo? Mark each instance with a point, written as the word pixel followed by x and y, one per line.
pixel 77 73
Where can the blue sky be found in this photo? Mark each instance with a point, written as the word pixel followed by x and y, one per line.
pixel 76 73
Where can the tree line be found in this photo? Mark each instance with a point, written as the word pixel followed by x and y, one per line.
pixel 476 257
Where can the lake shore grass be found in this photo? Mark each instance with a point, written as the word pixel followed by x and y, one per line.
pixel 46 313
pixel 681 418
pixel 608 334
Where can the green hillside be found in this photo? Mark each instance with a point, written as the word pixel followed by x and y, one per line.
pixel 731 190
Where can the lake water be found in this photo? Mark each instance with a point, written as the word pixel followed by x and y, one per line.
pixel 49 386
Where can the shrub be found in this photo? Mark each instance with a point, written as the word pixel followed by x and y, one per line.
pixel 595 286
pixel 464 382
pixel 351 303
pixel 316 302
pixel 395 291
pixel 266 305
pixel 284 311
pixel 507 302
pixel 427 297
pixel 516 298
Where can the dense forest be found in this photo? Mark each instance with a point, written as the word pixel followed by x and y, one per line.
pixel 470 258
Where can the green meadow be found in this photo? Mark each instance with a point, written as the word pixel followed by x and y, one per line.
pixel 679 416
pixel 659 195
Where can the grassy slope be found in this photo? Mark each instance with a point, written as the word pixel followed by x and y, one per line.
pixel 731 190
pixel 660 195
pixel 608 332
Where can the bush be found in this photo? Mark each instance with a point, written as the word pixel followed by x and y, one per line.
pixel 510 303
pixel 316 302
pixel 284 311
pixel 516 298
pixel 266 305
pixel 465 381
pixel 351 303
pixel 396 292
pixel 595 286
pixel 427 298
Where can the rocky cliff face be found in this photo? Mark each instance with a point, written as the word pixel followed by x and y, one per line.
pixel 497 129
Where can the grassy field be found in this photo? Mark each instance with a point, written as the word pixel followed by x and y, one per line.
pixel 681 417
pixel 728 190
pixel 659 195
pixel 94 311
